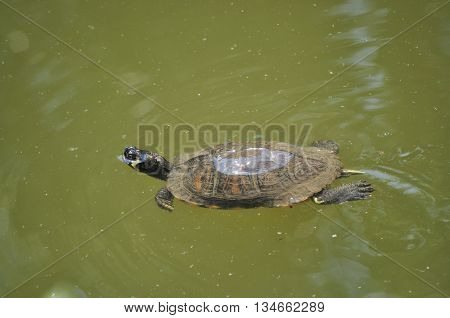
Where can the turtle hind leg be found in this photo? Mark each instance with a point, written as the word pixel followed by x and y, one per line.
pixel 326 144
pixel 348 192
pixel 164 199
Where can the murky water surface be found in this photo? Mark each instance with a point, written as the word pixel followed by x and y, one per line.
pixel 64 120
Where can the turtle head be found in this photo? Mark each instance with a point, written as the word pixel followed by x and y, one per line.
pixel 150 163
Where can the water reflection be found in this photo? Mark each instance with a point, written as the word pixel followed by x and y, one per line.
pixel 352 8
pixel 370 91
pixel 395 182
pixel 18 41
pixel 65 290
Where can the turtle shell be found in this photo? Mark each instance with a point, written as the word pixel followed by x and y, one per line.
pixel 252 174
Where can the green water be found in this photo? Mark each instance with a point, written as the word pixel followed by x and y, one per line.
pixel 64 121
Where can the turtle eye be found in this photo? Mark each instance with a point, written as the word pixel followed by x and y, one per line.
pixel 130 153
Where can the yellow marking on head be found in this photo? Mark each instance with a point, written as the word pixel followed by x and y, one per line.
pixel 316 200
pixel 134 164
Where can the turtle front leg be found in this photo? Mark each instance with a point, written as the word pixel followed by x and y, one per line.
pixel 164 199
pixel 348 192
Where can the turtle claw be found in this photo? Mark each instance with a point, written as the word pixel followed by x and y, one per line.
pixel 165 205
pixel 349 192
pixel 364 187
pixel 164 199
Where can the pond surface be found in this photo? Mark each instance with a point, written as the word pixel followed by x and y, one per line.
pixel 75 221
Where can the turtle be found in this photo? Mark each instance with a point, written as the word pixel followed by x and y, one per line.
pixel 250 174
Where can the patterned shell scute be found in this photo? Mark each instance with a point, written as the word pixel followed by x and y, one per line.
pixel 253 172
